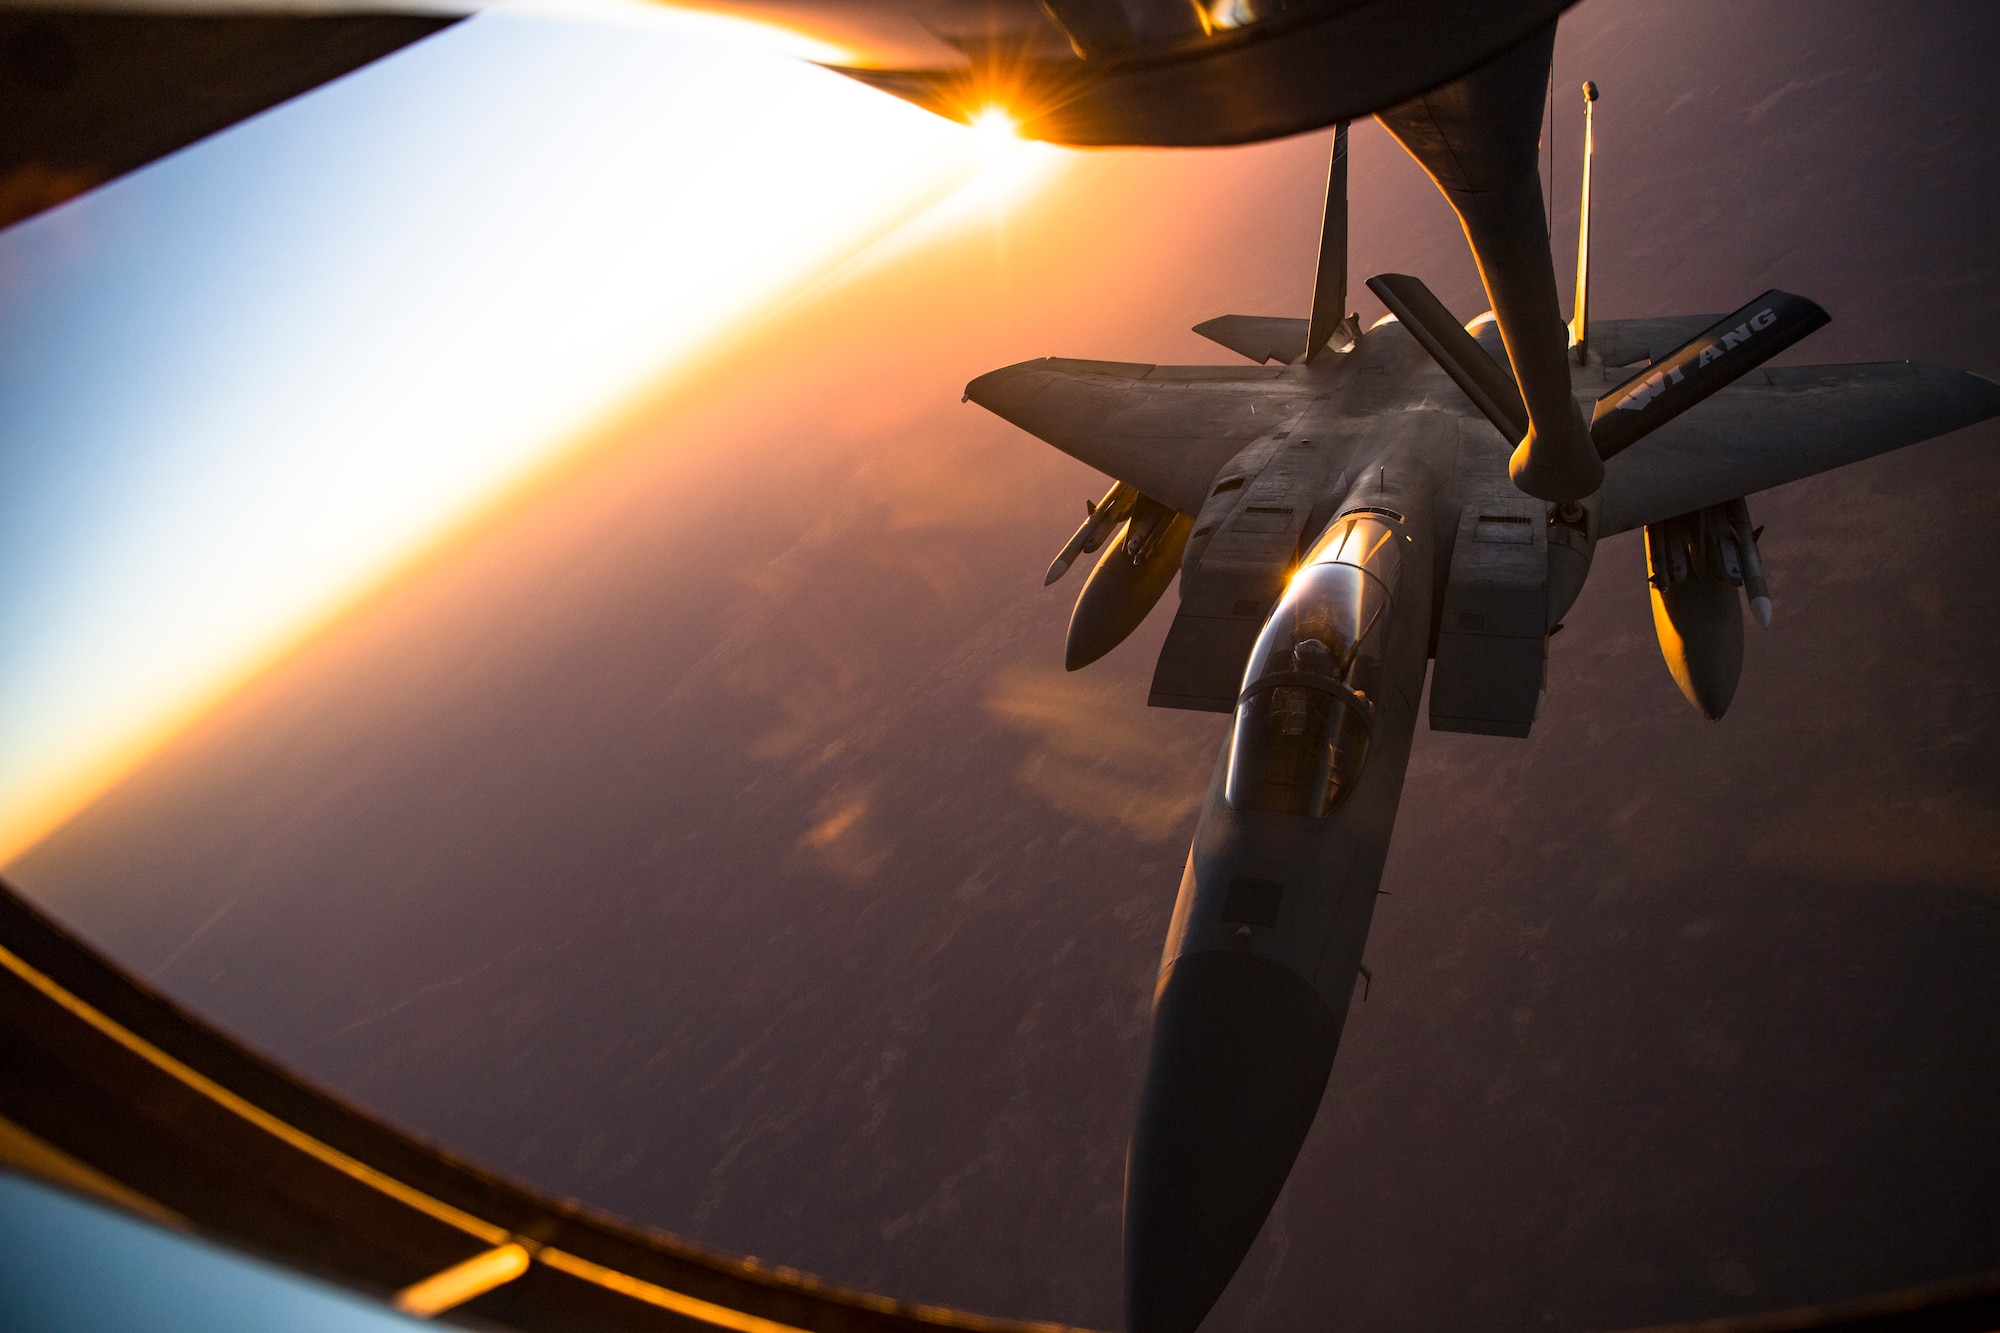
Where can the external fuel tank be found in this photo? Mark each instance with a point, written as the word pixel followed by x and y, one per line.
pixel 1135 569
pixel 1695 562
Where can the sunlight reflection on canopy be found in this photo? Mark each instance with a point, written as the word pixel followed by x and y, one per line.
pixel 239 388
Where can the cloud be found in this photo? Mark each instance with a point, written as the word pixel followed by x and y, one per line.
pixel 1756 113
pixel 1100 757
pixel 841 840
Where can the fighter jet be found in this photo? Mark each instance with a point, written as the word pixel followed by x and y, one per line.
pixel 1343 520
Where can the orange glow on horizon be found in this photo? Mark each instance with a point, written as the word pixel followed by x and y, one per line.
pixel 938 189
pixel 874 348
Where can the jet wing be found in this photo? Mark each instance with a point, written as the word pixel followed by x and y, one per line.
pixel 1782 424
pixel 1166 430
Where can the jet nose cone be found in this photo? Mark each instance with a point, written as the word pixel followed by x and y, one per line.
pixel 1241 1050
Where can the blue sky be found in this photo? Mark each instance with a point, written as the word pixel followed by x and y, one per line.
pixel 242 385
pixel 57 1252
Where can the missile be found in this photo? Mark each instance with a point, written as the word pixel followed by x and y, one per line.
pixel 1148 521
pixel 1752 561
pixel 1129 579
pixel 1099 519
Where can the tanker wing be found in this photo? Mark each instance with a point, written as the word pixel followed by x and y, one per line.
pixel 94 91
pixel 1785 423
pixel 1164 430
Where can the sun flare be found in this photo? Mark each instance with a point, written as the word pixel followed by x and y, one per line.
pixel 996 127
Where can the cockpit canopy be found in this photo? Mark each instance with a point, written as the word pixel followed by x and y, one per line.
pixel 1309 691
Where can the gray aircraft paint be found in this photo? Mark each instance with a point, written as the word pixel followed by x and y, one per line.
pixel 1247 1014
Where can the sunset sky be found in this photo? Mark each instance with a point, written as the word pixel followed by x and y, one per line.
pixel 241 385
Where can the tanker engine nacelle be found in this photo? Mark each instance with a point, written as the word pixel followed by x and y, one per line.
pixel 1694 565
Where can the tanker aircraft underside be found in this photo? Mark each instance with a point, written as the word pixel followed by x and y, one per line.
pixel 1342 518
pixel 1459 83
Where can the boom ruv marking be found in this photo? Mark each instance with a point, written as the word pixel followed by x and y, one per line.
pixel 1358 526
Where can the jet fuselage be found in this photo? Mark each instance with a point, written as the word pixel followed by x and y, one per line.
pixel 1263 955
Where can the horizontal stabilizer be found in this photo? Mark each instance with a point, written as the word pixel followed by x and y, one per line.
pixel 1262 338
pixel 1714 358
pixel 1490 386
pixel 1785 423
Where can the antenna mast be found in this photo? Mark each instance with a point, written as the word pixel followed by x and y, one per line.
pixel 1579 324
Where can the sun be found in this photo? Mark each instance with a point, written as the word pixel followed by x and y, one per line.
pixel 996 127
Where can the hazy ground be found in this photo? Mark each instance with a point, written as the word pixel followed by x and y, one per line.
pixel 713 834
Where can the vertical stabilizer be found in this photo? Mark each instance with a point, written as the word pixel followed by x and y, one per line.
pixel 1329 301
pixel 1579 321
